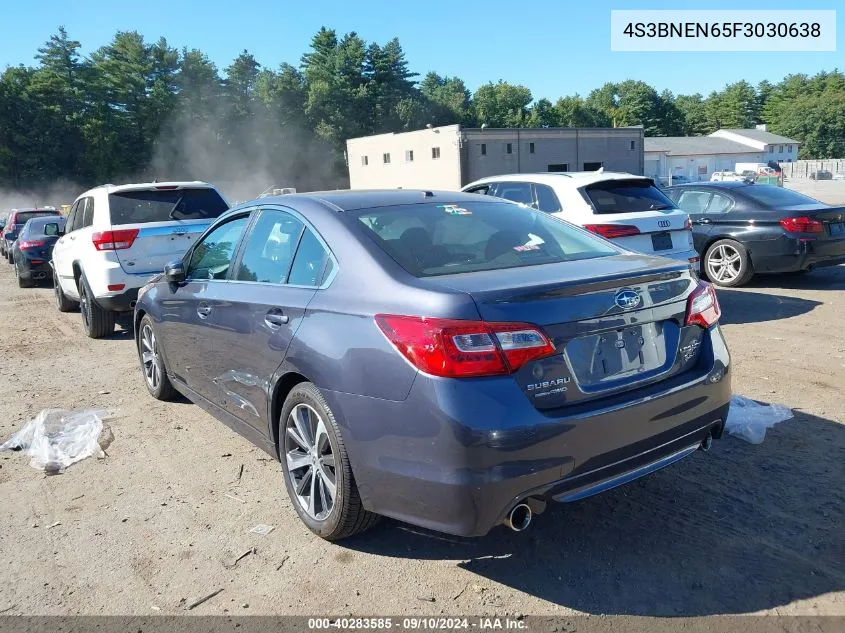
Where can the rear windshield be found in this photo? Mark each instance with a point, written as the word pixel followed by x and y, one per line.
pixel 442 239
pixel 772 196
pixel 140 207
pixel 36 227
pixel 626 196
pixel 22 217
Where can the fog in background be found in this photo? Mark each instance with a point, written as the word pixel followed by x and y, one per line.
pixel 258 153
pixel 55 194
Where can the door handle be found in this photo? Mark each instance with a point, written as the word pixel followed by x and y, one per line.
pixel 704 221
pixel 275 318
pixel 203 310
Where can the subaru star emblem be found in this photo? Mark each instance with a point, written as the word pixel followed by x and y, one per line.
pixel 627 299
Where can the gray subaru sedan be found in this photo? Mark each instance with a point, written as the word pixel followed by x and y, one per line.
pixel 448 360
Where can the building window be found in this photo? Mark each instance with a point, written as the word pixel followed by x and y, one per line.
pixel 789 148
pixel 559 167
pixel 592 166
pixel 509 148
pixel 780 149
pixel 435 153
pixel 531 148
pixel 409 156
pixel 386 159
pixel 484 149
pixel 365 161
pixel 633 145
pixel 702 170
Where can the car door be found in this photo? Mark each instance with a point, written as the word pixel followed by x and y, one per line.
pixel 188 327
pixel 695 202
pixel 63 251
pixel 280 267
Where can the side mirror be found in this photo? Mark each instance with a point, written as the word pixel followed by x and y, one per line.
pixel 174 272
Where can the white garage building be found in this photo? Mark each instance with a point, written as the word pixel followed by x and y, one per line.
pixel 695 158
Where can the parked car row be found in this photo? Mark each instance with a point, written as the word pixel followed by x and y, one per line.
pixel 728 230
pixel 445 358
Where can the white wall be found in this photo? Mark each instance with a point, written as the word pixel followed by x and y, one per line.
pixel 423 172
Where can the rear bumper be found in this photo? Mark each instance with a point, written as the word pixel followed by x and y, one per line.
pixel 123 302
pixel 457 455
pixel 28 270
pixel 794 254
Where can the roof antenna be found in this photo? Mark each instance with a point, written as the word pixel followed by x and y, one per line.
pixel 428 194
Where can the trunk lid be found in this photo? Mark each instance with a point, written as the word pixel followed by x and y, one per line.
pixel 616 323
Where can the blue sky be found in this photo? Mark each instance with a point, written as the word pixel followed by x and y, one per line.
pixel 555 48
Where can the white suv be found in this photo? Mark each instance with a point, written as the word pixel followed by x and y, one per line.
pixel 628 209
pixel 117 237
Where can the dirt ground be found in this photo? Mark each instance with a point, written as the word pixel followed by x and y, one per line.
pixel 160 522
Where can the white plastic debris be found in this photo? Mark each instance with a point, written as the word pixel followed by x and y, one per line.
pixel 58 438
pixel 263 529
pixel 748 419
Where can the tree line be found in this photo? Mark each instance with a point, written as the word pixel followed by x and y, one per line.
pixel 134 109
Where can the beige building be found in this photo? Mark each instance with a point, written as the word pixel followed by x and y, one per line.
pixel 449 157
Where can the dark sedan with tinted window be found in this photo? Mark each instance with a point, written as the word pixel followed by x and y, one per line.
pixel 32 250
pixel 446 359
pixel 743 228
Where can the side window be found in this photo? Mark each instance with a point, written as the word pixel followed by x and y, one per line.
pixel 75 217
pixel 269 248
pixel 88 214
pixel 694 201
pixel 546 199
pixel 515 191
pixel 211 257
pixel 481 190
pixel 310 261
pixel 719 203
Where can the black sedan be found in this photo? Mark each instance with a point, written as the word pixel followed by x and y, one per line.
pixel 743 228
pixel 32 250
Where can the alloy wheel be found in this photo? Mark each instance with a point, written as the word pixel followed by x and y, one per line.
pixel 83 305
pixel 149 357
pixel 724 264
pixel 310 461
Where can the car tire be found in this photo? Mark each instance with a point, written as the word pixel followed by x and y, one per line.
pixel 9 257
pixel 63 304
pixel 727 264
pixel 96 321
pixel 22 283
pixel 307 414
pixel 152 362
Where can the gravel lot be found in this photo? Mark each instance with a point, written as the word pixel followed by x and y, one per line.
pixel 160 522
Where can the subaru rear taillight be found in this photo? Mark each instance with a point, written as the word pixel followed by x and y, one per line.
pixel 455 348
pixel 114 240
pixel 802 225
pixel 28 244
pixel 611 231
pixel 703 306
pixel 688 224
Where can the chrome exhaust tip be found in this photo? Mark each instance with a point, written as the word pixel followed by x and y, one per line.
pixel 132 305
pixel 706 442
pixel 519 518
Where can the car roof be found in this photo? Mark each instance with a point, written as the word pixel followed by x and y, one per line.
pixel 45 219
pixel 353 199
pixel 147 186
pixel 575 178
pixel 719 184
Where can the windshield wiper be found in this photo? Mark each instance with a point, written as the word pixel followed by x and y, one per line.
pixel 174 207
